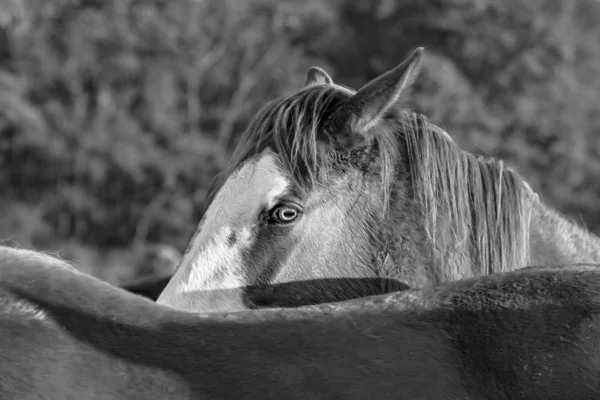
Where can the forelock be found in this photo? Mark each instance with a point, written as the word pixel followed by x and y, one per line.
pixel 291 127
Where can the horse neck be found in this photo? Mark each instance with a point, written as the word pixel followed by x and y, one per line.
pixel 555 240
pixel 417 260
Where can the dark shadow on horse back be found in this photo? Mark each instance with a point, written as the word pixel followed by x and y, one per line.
pixel 296 293
pixel 317 291
pixel 285 295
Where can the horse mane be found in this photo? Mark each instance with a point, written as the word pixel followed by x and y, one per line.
pixel 482 201
pixel 487 205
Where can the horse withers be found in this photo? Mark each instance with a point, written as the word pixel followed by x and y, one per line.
pixel 331 185
pixel 530 334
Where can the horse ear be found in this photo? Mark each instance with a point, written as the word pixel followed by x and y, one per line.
pixel 365 109
pixel 317 76
pixel 372 100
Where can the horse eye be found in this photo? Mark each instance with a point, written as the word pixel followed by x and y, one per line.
pixel 284 214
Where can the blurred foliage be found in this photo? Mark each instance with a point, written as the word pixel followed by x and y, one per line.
pixel 116 114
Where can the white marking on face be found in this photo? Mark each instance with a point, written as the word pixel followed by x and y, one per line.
pixel 211 263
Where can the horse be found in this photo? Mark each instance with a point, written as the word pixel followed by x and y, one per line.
pixel 333 184
pixel 527 334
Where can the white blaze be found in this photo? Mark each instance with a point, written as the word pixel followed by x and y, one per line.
pixel 211 263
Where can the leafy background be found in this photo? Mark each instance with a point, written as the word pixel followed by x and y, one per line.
pixel 116 114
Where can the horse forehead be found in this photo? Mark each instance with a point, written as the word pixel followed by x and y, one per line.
pixel 256 183
pixel 267 180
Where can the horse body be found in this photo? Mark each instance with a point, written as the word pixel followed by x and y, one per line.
pixel 529 334
pixel 331 185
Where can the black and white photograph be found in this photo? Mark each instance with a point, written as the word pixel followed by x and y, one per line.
pixel 299 199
